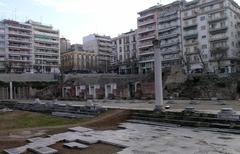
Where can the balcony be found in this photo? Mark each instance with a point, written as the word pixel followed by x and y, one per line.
pixel 145 45
pixel 214 30
pixel 46 46
pixel 218 38
pixel 47 34
pixel 145 30
pixel 193 15
pixel 188 26
pixel 148 37
pixel 29 28
pixel 167 28
pixel 223 47
pixel 23 53
pixel 144 53
pixel 168 35
pixel 216 19
pixel 19 60
pixel 147 22
pixel 25 47
pixel 46 41
pixel 191 43
pixel 146 16
pixel 170 51
pixel 20 40
pixel 169 44
pixel 191 34
pixel 167 19
pixel 16 33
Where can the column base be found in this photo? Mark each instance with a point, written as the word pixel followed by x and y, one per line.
pixel 158 108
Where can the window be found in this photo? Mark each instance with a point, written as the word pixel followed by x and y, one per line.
pixel 202 18
pixel 203 27
pixel 204 46
pixel 204 36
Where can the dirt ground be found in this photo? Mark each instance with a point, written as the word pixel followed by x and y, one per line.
pixel 105 121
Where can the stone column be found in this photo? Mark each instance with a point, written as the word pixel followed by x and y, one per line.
pixel 11 90
pixel 158 77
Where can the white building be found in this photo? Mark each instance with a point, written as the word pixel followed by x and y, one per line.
pixel 170 33
pixel 146 34
pixel 125 52
pixel 102 46
pixel 65 45
pixel 16 47
pixel 46 48
pixel 211 35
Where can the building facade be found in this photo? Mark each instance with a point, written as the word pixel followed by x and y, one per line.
pixel 146 34
pixel 211 35
pixel 199 35
pixel 170 34
pixel 16 47
pixel 65 45
pixel 28 47
pixel 102 46
pixel 125 52
pixel 46 48
pixel 79 61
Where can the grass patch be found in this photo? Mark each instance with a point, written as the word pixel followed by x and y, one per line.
pixel 24 119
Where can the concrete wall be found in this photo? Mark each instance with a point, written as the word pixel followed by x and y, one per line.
pixel 27 77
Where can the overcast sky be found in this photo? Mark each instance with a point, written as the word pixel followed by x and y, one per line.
pixel 78 18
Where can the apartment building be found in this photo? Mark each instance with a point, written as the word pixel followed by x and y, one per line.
pixel 211 35
pixel 46 48
pixel 65 45
pixel 170 33
pixel 79 61
pixel 102 46
pixel 16 47
pixel 146 33
pixel 125 52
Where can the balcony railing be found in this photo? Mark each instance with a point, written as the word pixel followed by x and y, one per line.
pixel 194 24
pixel 20 33
pixel 148 29
pixel 147 22
pixel 214 19
pixel 145 45
pixel 217 29
pixel 167 19
pixel 218 37
pixel 191 34
pixel 147 37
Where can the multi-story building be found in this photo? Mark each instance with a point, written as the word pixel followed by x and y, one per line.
pixel 211 35
pixel 125 52
pixel 79 61
pixel 16 47
pixel 46 48
pixel 76 47
pixel 169 33
pixel 162 22
pixel 146 34
pixel 102 46
pixel 65 45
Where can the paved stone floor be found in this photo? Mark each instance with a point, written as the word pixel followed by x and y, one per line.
pixel 137 138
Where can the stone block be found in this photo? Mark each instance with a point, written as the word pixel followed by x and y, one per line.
pixel 43 150
pixel 72 145
pixel 80 129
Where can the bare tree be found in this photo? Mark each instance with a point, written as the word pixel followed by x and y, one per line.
pixel 8 65
pixel 204 65
pixel 219 54
pixel 186 62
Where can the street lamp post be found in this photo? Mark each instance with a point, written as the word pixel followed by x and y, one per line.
pixel 158 76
